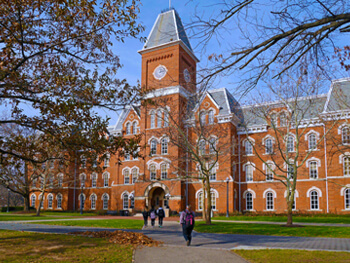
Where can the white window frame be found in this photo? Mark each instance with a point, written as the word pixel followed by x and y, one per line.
pixel 347 199
pixel 59 201
pixel 154 146
pixel 33 200
pixel 153 119
pixel 134 175
pixel 126 174
pixel 134 127
pixel 164 146
pixel 211 117
pixel 127 128
pixel 159 118
pixel 94 180
pixel 93 201
pixel 312 206
pixel 249 173
pixel 212 173
pixel 346 165
pixel 312 141
pixel 125 201
pixel 270 201
pixel 153 172
pixel 313 173
pixel 166 119
pixel 290 143
pixel 49 201
pixel 248 201
pixel 164 171
pixel 268 146
pixel 105 200
pixel 105 180
pixel 345 135
pixel 248 147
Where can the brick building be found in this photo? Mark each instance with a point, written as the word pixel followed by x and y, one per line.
pixel 241 179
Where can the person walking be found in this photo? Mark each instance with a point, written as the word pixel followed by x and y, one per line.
pixel 152 215
pixel 145 218
pixel 161 215
pixel 187 222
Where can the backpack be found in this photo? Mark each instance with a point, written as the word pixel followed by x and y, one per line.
pixel 161 213
pixel 189 219
pixel 153 215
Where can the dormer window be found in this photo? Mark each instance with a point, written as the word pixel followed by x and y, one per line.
pixel 159 118
pixel 134 127
pixel 128 128
pixel 211 117
pixel 153 120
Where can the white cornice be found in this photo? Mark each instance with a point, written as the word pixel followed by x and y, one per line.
pixel 167 91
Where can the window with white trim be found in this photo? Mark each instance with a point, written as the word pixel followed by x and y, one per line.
pixel 105 202
pixel 314 205
pixel 269 172
pixel 269 201
pixel 201 147
pixel 125 201
pixel 166 118
pixel 127 128
pixel 94 180
pixel 290 144
pixel 153 147
pixel 153 119
pixel 313 171
pixel 211 117
pixel 347 199
pixel 290 171
pixel 82 180
pixel 268 146
pixel 59 201
pixel 249 172
pixel 345 134
pixel 159 118
pixel 126 156
pixel 249 201
pixel 106 160
pixel 153 172
pixel 105 180
pixel 202 118
pixel 164 171
pixel 134 127
pixel 200 201
pixel 213 201
pixel 126 176
pixel 248 147
pixel 346 161
pixel 32 200
pixel 273 120
pixel 134 175
pixel 312 141
pixel 212 145
pixel 49 201
pixel 212 173
pixel 283 120
pixel 93 201
pixel 164 144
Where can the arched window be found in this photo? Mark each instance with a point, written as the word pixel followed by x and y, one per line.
pixel 105 180
pixel 213 201
pixel 82 180
pixel 59 180
pixel 269 201
pixel 347 199
pixel 94 180
pixel 290 144
pixel 134 127
pixel 314 205
pixel 313 170
pixel 290 171
pixel 212 173
pixel 346 161
pixel 249 172
pixel 153 147
pixel 164 146
pixel 211 117
pixel 249 201
pixel 128 128
pixel 105 201
pixel 312 141
pixel 93 201
pixel 202 118
pixel 201 147
pixel 32 200
pixel 125 201
pixel 126 176
pixel 164 171
pixel 153 173
pixel 132 201
pixel 134 175
pixel 269 172
pixel 273 119
pixel 248 147
pixel 166 118
pixel 159 118
pixel 200 201
pixel 59 201
pixel 345 133
pixel 49 201
pixel 268 146
pixel 283 120
pixel 106 161
pixel 153 119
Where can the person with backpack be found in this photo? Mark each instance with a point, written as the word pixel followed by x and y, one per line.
pixel 161 215
pixel 152 215
pixel 145 217
pixel 187 222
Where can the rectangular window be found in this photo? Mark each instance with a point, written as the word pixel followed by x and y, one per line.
pixel 248 148
pixel 269 173
pixel 127 156
pixel 290 171
pixel 268 146
pixel 290 144
pixel 153 172
pixel 125 202
pixel 212 173
pixel 312 141
pixel 249 201
pixel 153 147
pixel 314 200
pixel 200 201
pixel 249 173
pixel 269 201
pixel 59 201
pixel 105 180
pixel 347 166
pixel 313 170
pixel 164 172
pixel 213 201
pixel 94 181
pixel 126 177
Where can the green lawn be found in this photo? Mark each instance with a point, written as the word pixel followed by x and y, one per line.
pixel 15 216
pixel 323 218
pixel 34 247
pixel 109 223
pixel 272 230
pixel 27 217
pixel 293 256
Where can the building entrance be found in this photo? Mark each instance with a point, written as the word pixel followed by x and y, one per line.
pixel 156 197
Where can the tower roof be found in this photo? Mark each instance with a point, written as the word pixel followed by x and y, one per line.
pixel 168 28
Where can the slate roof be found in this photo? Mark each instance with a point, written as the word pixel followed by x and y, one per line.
pixel 338 96
pixel 167 28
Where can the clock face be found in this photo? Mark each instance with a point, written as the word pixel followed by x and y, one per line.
pixel 187 75
pixel 160 72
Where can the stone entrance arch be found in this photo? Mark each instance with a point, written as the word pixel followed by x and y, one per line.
pixel 155 194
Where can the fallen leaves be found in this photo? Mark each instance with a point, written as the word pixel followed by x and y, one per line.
pixel 121 237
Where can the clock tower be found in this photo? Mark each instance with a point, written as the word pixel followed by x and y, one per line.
pixel 167 57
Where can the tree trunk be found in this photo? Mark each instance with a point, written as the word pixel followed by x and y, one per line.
pixel 208 208
pixel 204 202
pixel 26 204
pixel 289 214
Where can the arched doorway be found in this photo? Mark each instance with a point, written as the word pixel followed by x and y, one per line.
pixel 156 197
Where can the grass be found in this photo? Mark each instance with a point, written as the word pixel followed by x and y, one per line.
pixel 293 256
pixel 273 230
pixel 326 218
pixel 18 216
pixel 27 217
pixel 108 223
pixel 34 247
